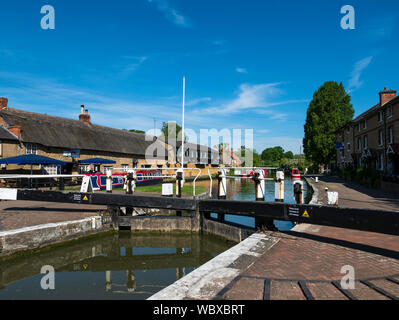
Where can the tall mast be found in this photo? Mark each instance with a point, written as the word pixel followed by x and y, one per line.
pixel 184 97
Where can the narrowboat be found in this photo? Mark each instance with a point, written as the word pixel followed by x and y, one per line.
pixel 296 174
pixel 99 180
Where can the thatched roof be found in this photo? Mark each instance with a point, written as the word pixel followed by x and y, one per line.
pixel 67 133
pixel 7 135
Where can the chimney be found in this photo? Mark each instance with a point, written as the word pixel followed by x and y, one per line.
pixel 84 115
pixel 3 103
pixel 386 96
pixel 16 130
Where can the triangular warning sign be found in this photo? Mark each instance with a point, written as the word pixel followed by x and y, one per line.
pixel 306 214
pixel 85 198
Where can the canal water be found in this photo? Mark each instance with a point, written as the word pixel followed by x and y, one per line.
pixel 123 265
pixel 244 189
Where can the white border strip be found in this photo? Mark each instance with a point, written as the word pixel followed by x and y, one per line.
pixel 209 279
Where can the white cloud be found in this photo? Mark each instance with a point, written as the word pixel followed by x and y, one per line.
pixel 355 82
pixel 257 98
pixel 171 13
pixel 263 131
pixel 134 63
pixel 241 70
pixel 193 102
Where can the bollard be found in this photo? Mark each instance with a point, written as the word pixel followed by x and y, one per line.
pixel 129 182
pixel 279 187
pixel 179 186
pixel 109 181
pixel 179 182
pixel 130 185
pixel 259 179
pixel 298 191
pixel 222 185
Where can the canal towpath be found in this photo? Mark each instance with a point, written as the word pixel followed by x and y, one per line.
pixel 307 262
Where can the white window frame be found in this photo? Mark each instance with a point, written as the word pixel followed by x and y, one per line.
pixel 364 124
pixel 381 161
pixel 359 144
pixel 348 146
pixel 51 169
pixel 380 116
pixel 380 138
pixel 365 141
pixel 31 148
pixel 389 112
pixel 106 168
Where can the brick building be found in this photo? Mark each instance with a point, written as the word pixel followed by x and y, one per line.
pixel 372 138
pixel 24 132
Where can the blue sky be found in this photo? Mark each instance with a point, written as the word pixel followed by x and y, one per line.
pixel 249 64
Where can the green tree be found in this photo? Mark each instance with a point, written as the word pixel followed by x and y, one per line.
pixel 172 130
pixel 256 159
pixel 136 131
pixel 329 110
pixel 271 155
pixel 289 155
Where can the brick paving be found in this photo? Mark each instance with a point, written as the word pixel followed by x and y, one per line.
pixel 20 214
pixel 314 255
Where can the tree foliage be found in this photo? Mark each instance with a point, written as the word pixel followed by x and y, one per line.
pixel 270 155
pixel 171 130
pixel 136 131
pixel 289 155
pixel 329 110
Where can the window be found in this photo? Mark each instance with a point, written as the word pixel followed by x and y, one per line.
pixel 84 168
pixel 382 161
pixel 348 130
pixel 365 142
pixel 125 166
pixel 358 127
pixel 365 124
pixel 52 169
pixel 359 144
pixel 31 149
pixel 380 116
pixel 389 112
pixel 106 168
pixel 349 147
pixel 380 138
pixel 390 132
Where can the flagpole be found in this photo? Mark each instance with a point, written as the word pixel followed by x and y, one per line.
pixel 184 97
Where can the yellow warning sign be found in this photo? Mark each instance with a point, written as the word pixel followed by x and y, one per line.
pixel 306 214
pixel 85 198
pixel 85 266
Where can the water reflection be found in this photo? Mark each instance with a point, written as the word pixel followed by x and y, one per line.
pixel 123 265
pixel 244 189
